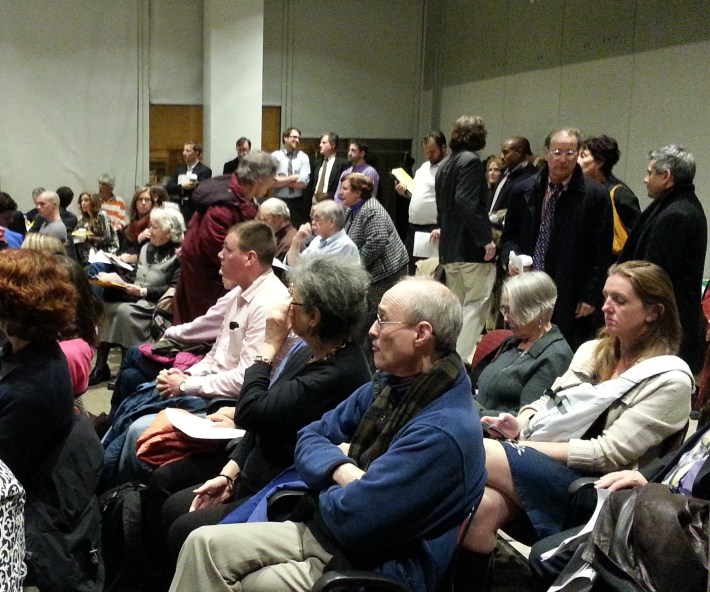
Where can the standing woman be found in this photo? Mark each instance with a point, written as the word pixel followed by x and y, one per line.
pixel 94 228
pixel 129 315
pixel 370 227
pixel 529 473
pixel 494 169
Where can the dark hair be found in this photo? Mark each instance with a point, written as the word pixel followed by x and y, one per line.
pixel 361 183
pixel 469 133
pixel 258 237
pixel 89 312
pixel 361 146
pixel 95 201
pixel 438 137
pixel 159 195
pixel 37 299
pixel 287 133
pixel 66 195
pixel 333 138
pixel 605 150
pixel 7 204
pixel 522 144
pixel 243 140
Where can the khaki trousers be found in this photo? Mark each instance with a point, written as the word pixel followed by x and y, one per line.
pixel 254 557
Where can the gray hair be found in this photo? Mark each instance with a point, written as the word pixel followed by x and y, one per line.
pixel 169 219
pixel 256 166
pixel 331 210
pixel 276 206
pixel 675 159
pixel 532 295
pixel 50 196
pixel 569 131
pixel 107 179
pixel 435 303
pixel 36 191
pixel 337 288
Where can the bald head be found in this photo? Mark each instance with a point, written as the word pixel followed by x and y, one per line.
pixel 514 151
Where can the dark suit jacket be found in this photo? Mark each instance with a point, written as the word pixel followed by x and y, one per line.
pixel 339 166
pixel 230 166
pixel 461 208
pixel 580 247
pixel 201 170
pixel 672 233
pixel 517 175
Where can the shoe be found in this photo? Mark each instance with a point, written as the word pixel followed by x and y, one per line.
pixel 102 423
pixel 99 374
pixel 111 384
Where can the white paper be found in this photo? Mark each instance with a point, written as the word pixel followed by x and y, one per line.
pixel 199 427
pixel 520 262
pixel 102 257
pixel 422 246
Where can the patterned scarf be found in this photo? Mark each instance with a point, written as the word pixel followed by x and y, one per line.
pixel 396 404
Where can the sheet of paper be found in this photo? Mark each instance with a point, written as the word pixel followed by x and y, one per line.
pixel 112 278
pixel 120 264
pixel 422 246
pixel 520 262
pixel 199 427
pixel 99 257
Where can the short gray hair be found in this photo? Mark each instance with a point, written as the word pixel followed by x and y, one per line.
pixel 532 295
pixel 675 159
pixel 36 191
pixel 436 304
pixel 568 131
pixel 50 196
pixel 332 210
pixel 107 179
pixel 256 166
pixel 169 219
pixel 276 206
pixel 337 288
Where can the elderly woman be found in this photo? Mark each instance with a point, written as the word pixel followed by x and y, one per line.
pixel 37 302
pixel 94 229
pixel 597 158
pixel 326 309
pixel 646 389
pixel 528 362
pixel 370 227
pixel 128 322
pixel 220 203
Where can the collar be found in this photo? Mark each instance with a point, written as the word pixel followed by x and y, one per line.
pixel 249 294
pixel 358 206
pixel 332 238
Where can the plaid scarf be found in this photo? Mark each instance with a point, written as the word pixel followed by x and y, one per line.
pixel 393 407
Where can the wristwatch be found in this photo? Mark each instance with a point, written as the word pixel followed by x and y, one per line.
pixel 181 388
pixel 262 360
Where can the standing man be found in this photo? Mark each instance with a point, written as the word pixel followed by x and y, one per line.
pixel 393 470
pixel 327 172
pixel 672 233
pixel 48 207
pixel 186 177
pixel 516 153
pixel 357 153
pixel 422 206
pixel 466 246
pixel 563 222
pixel 293 175
pixel 243 147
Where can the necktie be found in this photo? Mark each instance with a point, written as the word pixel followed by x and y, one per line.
pixel 319 195
pixel 289 155
pixel 548 216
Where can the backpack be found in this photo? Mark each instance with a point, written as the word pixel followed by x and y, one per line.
pixel 121 543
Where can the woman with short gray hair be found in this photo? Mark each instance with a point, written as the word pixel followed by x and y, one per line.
pixel 531 359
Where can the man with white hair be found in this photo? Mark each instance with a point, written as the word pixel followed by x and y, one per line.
pixel 275 213
pixel 48 207
pixel 112 204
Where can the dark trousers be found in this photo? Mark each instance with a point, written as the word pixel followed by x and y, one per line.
pixel 409 242
pixel 135 370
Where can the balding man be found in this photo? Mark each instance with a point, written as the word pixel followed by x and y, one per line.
pixel 394 469
pixel 48 207
pixel 516 153
pixel 564 222
pixel 276 214
pixel 326 229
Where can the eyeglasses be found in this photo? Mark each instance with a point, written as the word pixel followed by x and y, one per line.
pixel 293 302
pixel 380 322
pixel 295 137
pixel 567 154
pixel 316 218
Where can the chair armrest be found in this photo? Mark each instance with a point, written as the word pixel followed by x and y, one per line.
pixel 217 402
pixel 371 580
pixel 582 483
pixel 282 503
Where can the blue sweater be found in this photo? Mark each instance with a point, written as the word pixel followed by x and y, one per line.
pixel 402 516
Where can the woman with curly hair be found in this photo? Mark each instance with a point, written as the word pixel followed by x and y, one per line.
pixel 37 303
pixel 94 228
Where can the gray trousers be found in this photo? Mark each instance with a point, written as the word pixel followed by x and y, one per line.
pixel 254 557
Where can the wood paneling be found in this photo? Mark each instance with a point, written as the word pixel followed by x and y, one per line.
pixel 270 128
pixel 170 127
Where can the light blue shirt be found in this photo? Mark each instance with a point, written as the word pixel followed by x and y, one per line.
pixel 340 243
pixel 300 165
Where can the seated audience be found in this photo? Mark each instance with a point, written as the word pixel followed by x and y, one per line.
pixel 130 307
pixel 597 158
pixel 12 548
pixel 246 261
pixel 325 233
pixel 33 217
pixel 383 497
pixel 66 196
pixel 37 303
pixel 276 214
pixel 642 396
pixel 8 209
pixel 219 204
pixel 112 204
pixel 326 307
pixel 94 230
pixel 136 232
pixel 48 207
pixel 370 227
pixel 527 363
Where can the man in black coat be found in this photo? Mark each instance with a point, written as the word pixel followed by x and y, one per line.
pixel 243 147
pixel 672 233
pixel 576 249
pixel 514 152
pixel 327 170
pixel 186 177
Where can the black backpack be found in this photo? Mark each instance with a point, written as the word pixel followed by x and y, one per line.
pixel 122 547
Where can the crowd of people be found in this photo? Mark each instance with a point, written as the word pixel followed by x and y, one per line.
pixel 279 299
